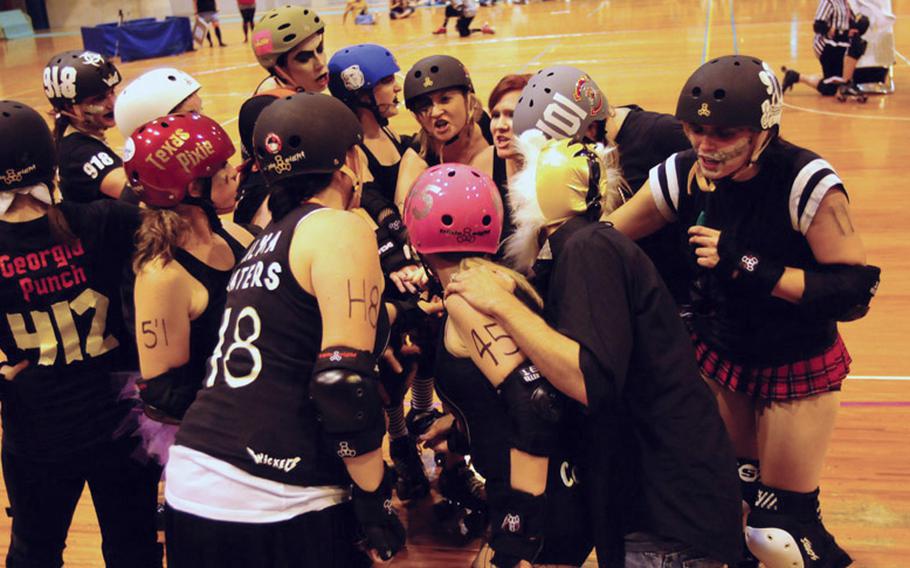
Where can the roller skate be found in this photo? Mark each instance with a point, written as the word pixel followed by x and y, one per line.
pixel 849 91
pixel 410 480
pixel 419 421
pixel 791 77
pixel 464 500
pixel 487 29
pixel 440 30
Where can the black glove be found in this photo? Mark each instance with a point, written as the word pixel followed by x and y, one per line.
pixel 378 520
pixel 518 529
pixel 757 274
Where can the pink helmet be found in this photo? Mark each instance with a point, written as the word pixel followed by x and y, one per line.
pixel 454 208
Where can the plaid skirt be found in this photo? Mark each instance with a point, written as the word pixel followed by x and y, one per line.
pixel 822 373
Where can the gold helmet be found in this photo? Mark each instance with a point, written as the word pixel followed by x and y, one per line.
pixel 282 28
pixel 561 179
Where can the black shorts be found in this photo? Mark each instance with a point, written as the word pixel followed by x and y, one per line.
pixel 323 538
pixel 248 14
pixel 832 60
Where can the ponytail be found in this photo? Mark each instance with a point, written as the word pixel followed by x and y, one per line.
pixel 161 233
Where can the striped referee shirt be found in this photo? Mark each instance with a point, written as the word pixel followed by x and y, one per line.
pixel 838 15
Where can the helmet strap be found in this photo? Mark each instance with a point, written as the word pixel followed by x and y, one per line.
pixel 593 200
pixel 355 180
pixel 761 144
pixel 205 203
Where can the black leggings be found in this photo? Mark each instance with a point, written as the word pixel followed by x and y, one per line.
pixel 43 496
pixel 323 538
pixel 248 14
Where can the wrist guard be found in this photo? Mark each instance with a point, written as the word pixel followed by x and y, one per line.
pixel 168 396
pixel 518 530
pixel 378 519
pixel 757 274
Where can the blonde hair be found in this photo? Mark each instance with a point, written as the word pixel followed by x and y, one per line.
pixel 523 289
pixel 475 113
pixel 162 231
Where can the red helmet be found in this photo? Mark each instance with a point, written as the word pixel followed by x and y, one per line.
pixel 163 156
pixel 454 208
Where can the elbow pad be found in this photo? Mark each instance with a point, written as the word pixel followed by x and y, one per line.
pixel 860 24
pixel 820 27
pixel 839 291
pixel 535 408
pixel 346 394
pixel 168 396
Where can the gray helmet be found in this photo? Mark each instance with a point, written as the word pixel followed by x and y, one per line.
pixel 731 91
pixel 280 30
pixel 304 133
pixel 561 102
pixel 435 73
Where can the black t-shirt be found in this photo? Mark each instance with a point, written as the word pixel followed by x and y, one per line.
pixel 657 457
pixel 61 311
pixel 203 6
pixel 84 161
pixel 768 215
pixel 646 139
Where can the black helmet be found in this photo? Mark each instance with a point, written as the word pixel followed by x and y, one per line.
pixel 73 76
pixel 434 73
pixel 24 160
pixel 304 133
pixel 732 91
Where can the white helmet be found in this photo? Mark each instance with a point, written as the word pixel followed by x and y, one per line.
pixel 153 94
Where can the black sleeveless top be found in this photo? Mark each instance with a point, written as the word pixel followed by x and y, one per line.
pixel 386 177
pixel 254 410
pixel 501 178
pixel 204 329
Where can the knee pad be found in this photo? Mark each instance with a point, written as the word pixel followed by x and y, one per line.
pixel 857 47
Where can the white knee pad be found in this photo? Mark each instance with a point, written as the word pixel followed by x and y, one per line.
pixel 774 547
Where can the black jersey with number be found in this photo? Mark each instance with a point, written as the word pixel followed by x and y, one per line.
pixel 254 411
pixel 60 310
pixel 646 139
pixel 84 161
pixel 655 454
pixel 769 215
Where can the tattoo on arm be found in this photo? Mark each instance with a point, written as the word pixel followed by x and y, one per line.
pixel 150 333
pixel 842 219
pixel 369 304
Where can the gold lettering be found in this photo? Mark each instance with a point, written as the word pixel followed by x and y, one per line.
pixel 72 351
pixel 43 338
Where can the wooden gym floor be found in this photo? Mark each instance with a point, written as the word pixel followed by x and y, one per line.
pixel 641 51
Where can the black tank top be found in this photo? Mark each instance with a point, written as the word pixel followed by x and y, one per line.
pixel 386 177
pixel 204 329
pixel 477 406
pixel 501 178
pixel 254 411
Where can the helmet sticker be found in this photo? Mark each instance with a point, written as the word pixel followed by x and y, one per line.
pixel 273 143
pixel 262 42
pixel 423 202
pixel 129 149
pixel 112 79
pixel 428 82
pixel 704 110
pixel 584 89
pixel 353 78
pixel 92 58
pixel 771 107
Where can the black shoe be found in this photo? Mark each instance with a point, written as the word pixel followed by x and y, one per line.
pixel 791 77
pixel 419 421
pixel 411 482
pixel 467 495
